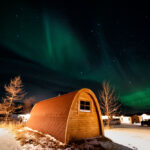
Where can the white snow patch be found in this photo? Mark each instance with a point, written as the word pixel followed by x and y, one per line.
pixel 137 138
pixel 47 135
pixel 7 141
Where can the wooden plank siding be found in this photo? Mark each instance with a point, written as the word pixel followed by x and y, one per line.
pixel 83 125
pixel 61 116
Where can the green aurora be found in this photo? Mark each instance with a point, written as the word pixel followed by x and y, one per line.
pixel 50 41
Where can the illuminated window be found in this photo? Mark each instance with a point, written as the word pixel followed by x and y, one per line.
pixel 85 106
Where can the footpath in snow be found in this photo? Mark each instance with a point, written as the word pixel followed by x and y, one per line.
pixel 7 141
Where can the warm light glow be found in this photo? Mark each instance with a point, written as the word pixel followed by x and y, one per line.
pixel 115 117
pixel 104 117
pixel 125 119
pixel 24 117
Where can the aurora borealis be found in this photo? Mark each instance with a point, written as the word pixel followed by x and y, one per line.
pixel 61 46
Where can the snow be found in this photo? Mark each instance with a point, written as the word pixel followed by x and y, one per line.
pixel 128 136
pixel 133 136
pixel 7 141
pixel 46 135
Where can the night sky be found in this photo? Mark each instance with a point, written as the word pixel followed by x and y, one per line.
pixel 58 47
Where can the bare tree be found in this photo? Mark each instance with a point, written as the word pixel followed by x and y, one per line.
pixel 14 92
pixel 108 101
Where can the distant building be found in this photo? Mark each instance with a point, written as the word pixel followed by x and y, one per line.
pixel 104 117
pixel 145 117
pixel 126 119
pixel 135 119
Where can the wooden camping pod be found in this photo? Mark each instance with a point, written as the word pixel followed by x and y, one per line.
pixel 135 119
pixel 68 117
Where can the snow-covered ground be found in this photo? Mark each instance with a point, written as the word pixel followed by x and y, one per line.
pixel 7 141
pixel 133 136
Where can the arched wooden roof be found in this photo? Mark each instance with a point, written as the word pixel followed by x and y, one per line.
pixel 51 115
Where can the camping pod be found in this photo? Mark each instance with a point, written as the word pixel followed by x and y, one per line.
pixel 68 117
pixel 135 119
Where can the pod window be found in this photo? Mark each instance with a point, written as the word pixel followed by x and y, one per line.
pixel 85 106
